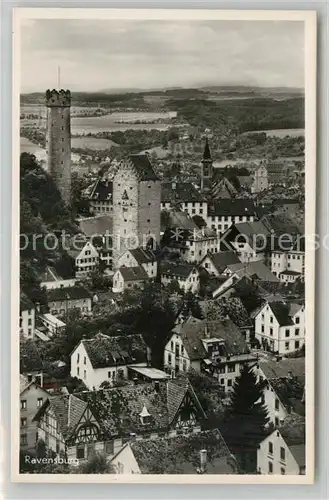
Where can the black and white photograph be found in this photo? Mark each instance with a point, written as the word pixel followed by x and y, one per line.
pixel 165 197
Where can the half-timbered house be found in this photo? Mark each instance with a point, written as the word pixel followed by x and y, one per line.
pixel 78 425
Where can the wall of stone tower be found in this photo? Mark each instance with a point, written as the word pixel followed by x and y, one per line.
pixel 149 210
pixel 58 140
pixel 125 212
pixel 136 211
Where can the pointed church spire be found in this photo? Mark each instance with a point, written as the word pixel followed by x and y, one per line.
pixel 206 152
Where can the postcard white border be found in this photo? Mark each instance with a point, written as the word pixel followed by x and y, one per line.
pixel 309 18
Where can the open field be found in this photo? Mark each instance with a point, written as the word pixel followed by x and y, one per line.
pixel 292 132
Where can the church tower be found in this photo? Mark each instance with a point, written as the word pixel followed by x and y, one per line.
pixel 136 206
pixel 206 168
pixel 58 140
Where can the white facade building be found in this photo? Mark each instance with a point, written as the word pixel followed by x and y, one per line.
pixel 280 327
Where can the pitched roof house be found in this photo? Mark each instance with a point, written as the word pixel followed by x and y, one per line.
pixel 104 358
pixel 104 420
pixel 283 386
pixel 186 275
pixel 202 453
pixel 216 263
pixel 216 347
pixel 129 277
pixel 280 327
pixel 283 451
pixel 61 300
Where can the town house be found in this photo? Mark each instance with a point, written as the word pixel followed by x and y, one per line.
pixel 185 275
pixel 283 452
pixel 216 263
pixel 100 198
pixel 26 317
pixel 203 453
pixel 140 257
pixel 248 239
pixel 223 213
pixel 280 327
pixel 127 278
pixel 105 358
pixel 289 264
pixel 62 300
pixel 86 259
pixel 283 383
pixel 184 195
pixel 214 347
pixel 31 399
pixel 76 426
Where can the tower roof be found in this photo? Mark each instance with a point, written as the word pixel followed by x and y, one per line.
pixel 143 167
pixel 206 151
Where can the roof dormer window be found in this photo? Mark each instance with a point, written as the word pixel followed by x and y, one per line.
pixel 145 416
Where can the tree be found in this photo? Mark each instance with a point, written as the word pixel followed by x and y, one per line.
pixel 246 419
pixel 96 464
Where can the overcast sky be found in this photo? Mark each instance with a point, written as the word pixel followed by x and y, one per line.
pixel 96 55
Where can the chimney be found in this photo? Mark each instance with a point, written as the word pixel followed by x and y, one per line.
pixel 203 460
pixel 37 306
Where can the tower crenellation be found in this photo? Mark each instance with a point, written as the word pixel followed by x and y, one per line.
pixel 60 98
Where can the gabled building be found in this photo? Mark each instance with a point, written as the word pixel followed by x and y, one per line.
pixel 215 347
pixel 85 259
pixel 222 188
pixel 248 239
pixel 280 327
pixel 62 300
pixel 30 362
pixel 26 317
pixel 192 245
pixel 186 276
pixel 126 278
pixel 31 397
pixel 223 213
pixel 283 452
pixel 142 257
pixel 78 425
pixel 105 358
pixel 283 383
pixel 101 197
pixel 184 195
pixel 216 263
pixel 288 261
pixel 51 279
pixel 202 453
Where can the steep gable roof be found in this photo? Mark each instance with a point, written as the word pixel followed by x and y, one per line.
pixel 136 273
pixel 222 259
pixel 102 190
pixel 68 293
pixel 181 454
pixel 282 313
pixel 143 167
pixel 241 207
pixel 257 270
pixel 143 255
pixel 177 270
pixel 283 368
pixel 118 410
pixel 193 331
pixel 178 192
pixel 104 351
pixel 67 410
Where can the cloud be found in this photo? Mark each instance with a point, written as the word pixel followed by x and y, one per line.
pixel 101 54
